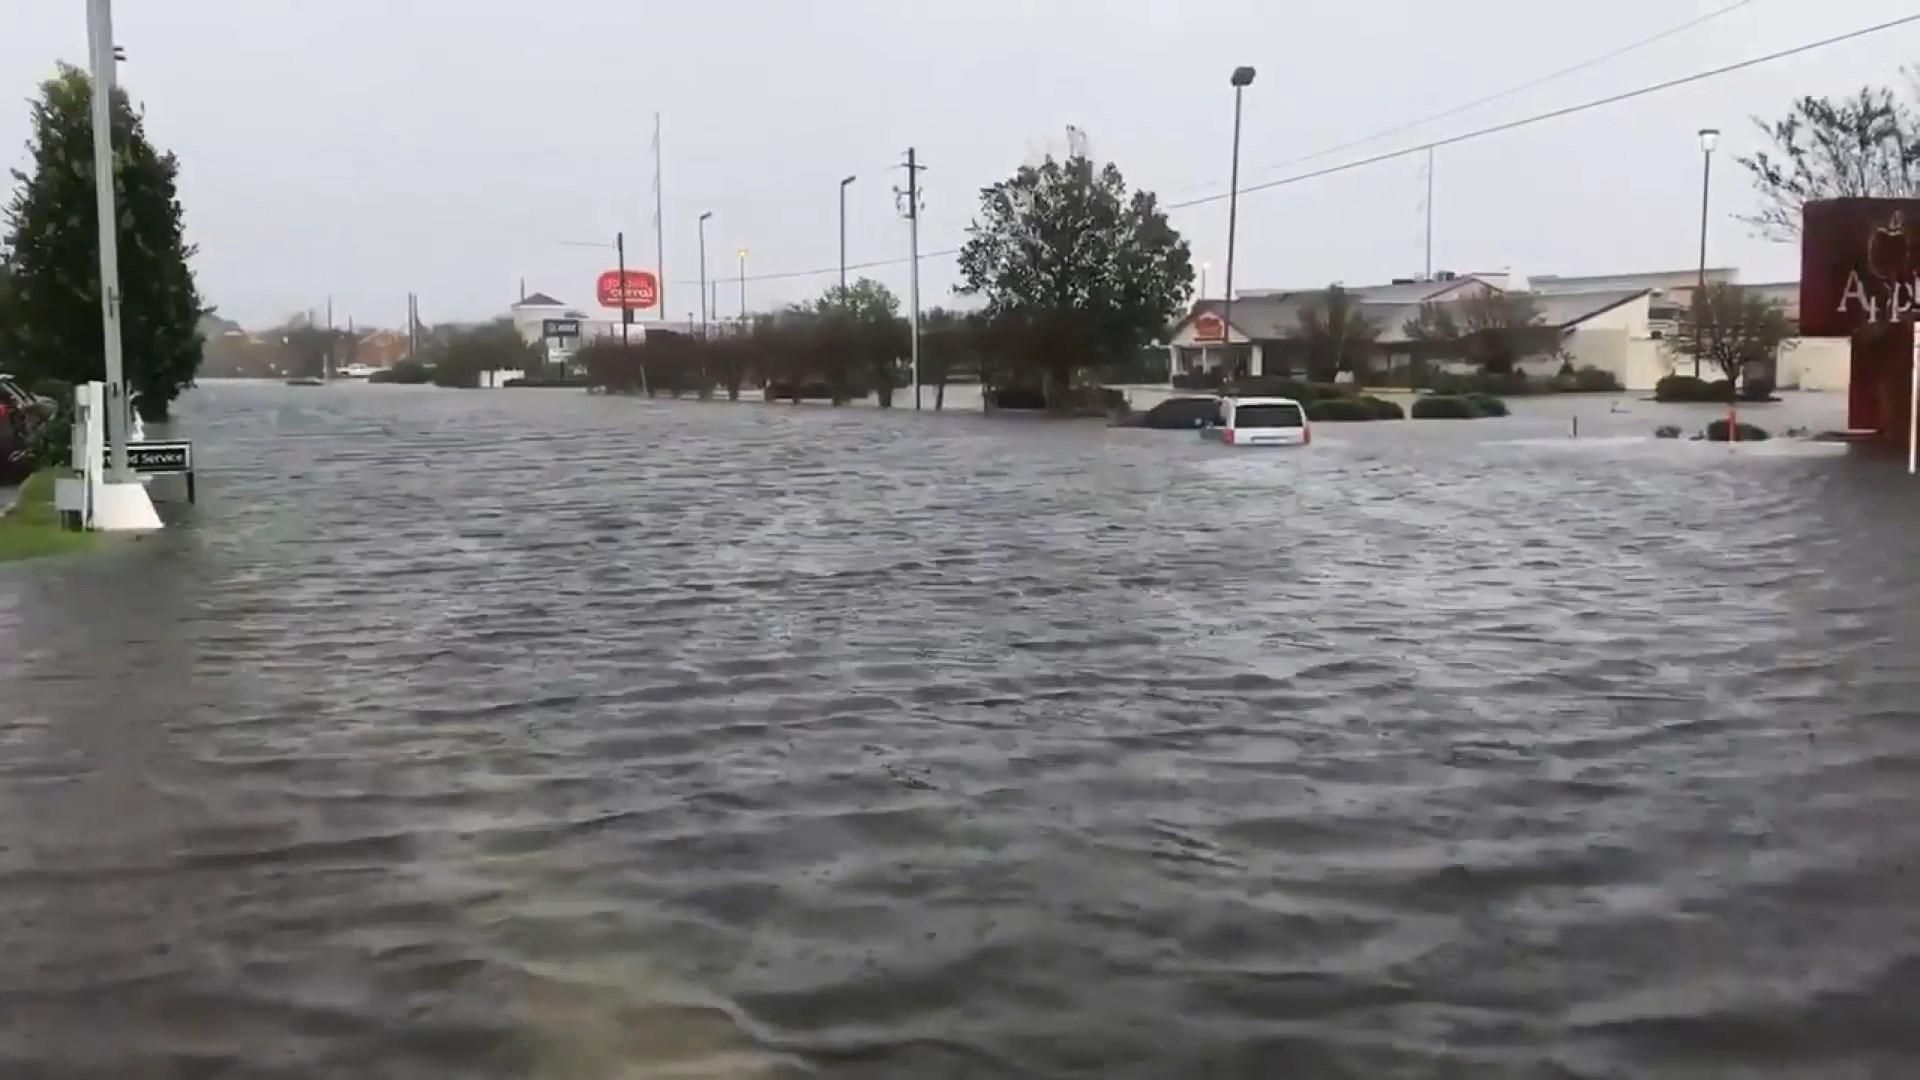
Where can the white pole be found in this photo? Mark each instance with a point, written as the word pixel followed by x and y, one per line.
pixel 100 40
pixel 1913 409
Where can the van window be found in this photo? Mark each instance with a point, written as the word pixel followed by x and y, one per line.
pixel 1268 416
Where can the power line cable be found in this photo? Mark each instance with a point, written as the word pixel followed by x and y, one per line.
pixel 1499 95
pixel 1419 148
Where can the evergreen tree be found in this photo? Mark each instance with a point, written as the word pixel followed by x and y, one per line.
pixel 51 259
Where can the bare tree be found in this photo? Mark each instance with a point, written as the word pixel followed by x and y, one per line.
pixel 1336 335
pixel 1867 145
pixel 1731 329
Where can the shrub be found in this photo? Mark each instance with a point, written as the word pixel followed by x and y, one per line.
pixel 412 372
pixel 1019 397
pixel 1488 404
pixel 1667 431
pixel 1384 409
pixel 1512 384
pixel 1757 390
pixel 1280 386
pixel 1444 407
pixel 1717 432
pixel 1595 379
pixel 1332 409
pixel 1689 388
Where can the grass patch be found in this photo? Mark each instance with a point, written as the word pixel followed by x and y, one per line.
pixel 33 529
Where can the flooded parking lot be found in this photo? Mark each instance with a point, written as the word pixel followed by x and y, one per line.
pixel 539 734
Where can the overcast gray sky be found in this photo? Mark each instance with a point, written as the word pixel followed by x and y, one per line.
pixel 447 147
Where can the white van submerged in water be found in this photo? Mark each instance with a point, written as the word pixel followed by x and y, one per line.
pixel 1260 421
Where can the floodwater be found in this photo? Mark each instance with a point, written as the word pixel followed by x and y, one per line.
pixel 533 734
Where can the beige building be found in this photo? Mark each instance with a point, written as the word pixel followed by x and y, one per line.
pixel 1618 323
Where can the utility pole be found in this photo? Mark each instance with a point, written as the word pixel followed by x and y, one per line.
pixel 659 226
pixel 913 275
pixel 1429 274
pixel 703 274
pixel 743 288
pixel 620 264
pixel 326 366
pixel 119 409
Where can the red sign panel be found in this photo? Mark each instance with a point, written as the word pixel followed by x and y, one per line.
pixel 1859 264
pixel 1209 327
pixel 641 289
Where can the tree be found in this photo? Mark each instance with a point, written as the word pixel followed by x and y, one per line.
pixel 490 346
pixel 1732 328
pixel 1492 330
pixel 1335 335
pixel 863 320
pixel 1093 272
pixel 50 252
pixel 1867 145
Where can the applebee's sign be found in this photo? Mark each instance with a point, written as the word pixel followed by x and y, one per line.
pixel 1859 264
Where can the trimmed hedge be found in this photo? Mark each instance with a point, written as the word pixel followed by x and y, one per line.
pixel 1689 388
pixel 1384 409
pixel 1717 432
pixel 1488 404
pixel 1445 407
pixel 1586 380
pixel 1757 390
pixel 1302 392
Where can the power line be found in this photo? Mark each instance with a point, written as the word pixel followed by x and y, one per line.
pixel 1555 114
pixel 1499 95
pixel 1450 140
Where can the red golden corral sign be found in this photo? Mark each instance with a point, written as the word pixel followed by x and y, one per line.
pixel 1209 327
pixel 642 290
pixel 1859 264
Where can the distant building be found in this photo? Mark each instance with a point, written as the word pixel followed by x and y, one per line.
pixel 1618 323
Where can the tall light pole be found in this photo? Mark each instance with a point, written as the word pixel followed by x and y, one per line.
pixel 843 232
pixel 743 288
pixel 1242 78
pixel 1708 137
pixel 703 271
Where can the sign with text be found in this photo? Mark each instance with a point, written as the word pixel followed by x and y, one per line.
pixel 160 457
pixel 639 290
pixel 559 328
pixel 1859 264
pixel 1208 326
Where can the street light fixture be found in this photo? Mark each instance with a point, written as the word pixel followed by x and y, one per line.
pixel 1709 137
pixel 703 271
pixel 1242 78
pixel 843 232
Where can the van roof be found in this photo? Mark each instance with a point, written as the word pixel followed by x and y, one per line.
pixel 1259 400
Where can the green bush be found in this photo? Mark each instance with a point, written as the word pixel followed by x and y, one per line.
pixel 1667 431
pixel 1488 404
pixel 411 372
pixel 1444 407
pixel 1384 409
pixel 1757 390
pixel 1280 386
pixel 1689 388
pixel 1513 384
pixel 1717 432
pixel 1339 409
pixel 1595 379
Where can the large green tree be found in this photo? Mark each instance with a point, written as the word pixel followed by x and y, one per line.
pixel 1091 271
pixel 1492 330
pixel 863 320
pixel 50 252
